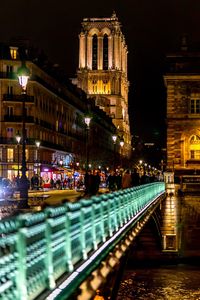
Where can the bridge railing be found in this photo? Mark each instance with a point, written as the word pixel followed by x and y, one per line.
pixel 37 249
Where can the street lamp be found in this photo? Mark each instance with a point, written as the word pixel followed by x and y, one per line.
pixel 18 139
pixel 87 120
pixel 121 145
pixel 114 138
pixel 37 143
pixel 23 76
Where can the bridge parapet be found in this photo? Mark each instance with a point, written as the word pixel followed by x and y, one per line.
pixel 68 242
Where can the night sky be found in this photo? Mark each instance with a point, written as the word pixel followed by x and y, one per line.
pixel 152 29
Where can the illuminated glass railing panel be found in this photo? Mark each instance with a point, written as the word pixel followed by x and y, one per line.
pixel 36 249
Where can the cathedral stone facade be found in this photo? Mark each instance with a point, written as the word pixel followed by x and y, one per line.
pixel 183 111
pixel 102 71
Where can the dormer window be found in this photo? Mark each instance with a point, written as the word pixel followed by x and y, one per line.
pixel 13 52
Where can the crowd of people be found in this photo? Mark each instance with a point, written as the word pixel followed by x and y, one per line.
pixel 117 180
pixel 92 180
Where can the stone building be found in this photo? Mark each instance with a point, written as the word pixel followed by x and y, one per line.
pixel 102 71
pixel 183 111
pixel 55 111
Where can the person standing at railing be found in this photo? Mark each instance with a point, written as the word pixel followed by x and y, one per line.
pixel 111 182
pixel 96 179
pixel 135 177
pixel 126 180
pixel 145 178
pixel 118 178
pixel 88 182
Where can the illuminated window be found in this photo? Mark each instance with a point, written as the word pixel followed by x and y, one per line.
pixel 105 86
pixel 94 89
pixel 105 52
pixel 13 52
pixel 1 154
pixel 10 155
pixel 94 52
pixel 94 86
pixel 195 147
pixel 195 106
pixel 27 154
pixel 195 154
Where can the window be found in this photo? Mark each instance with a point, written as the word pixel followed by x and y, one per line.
pixel 9 132
pixel 13 52
pixel 195 147
pixel 10 155
pixel 1 154
pixel 94 52
pixel 27 154
pixel 9 69
pixel 105 86
pixel 10 90
pixel 105 52
pixel 56 125
pixel 195 106
pixel 10 111
pixel 195 139
pixel 94 86
pixel 195 154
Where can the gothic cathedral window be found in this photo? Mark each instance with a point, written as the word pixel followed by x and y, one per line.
pixel 94 52
pixel 105 52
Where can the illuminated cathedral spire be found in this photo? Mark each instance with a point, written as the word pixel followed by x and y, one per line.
pixel 102 71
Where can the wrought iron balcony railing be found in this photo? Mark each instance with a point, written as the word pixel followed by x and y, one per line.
pixel 15 118
pixel 17 98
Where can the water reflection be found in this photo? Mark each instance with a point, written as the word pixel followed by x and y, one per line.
pixel 168 283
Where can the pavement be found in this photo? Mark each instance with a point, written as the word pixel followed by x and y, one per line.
pixel 49 196
pixel 40 199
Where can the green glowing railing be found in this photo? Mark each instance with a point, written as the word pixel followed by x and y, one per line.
pixel 36 249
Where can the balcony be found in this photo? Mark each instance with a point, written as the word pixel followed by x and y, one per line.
pixel 18 119
pixel 6 140
pixel 17 98
pixel 9 75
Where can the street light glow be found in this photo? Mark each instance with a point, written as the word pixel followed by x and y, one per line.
pixel 114 138
pixel 121 143
pixel 37 144
pixel 87 120
pixel 23 76
pixel 18 138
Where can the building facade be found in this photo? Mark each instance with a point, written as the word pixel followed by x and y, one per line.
pixel 102 71
pixel 183 111
pixel 54 116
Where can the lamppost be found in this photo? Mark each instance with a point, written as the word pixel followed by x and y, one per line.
pixel 87 120
pixel 114 138
pixel 37 143
pixel 23 76
pixel 121 145
pixel 18 139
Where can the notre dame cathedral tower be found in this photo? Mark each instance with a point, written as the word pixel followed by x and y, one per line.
pixel 102 71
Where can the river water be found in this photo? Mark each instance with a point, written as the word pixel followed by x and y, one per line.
pixel 175 282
